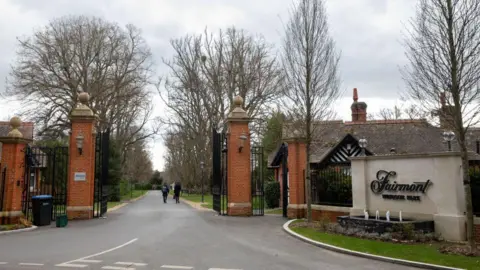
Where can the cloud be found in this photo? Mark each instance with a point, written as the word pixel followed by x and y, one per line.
pixel 366 31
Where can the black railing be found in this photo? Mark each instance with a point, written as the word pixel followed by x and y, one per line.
pixel 258 198
pixel 46 173
pixel 3 182
pixel 101 188
pixel 219 172
pixel 475 185
pixel 332 186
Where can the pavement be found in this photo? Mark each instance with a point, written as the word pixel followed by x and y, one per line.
pixel 149 234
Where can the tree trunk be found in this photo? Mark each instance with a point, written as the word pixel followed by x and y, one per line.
pixel 308 193
pixel 468 197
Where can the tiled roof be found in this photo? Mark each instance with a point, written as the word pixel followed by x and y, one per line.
pixel 406 136
pixel 26 129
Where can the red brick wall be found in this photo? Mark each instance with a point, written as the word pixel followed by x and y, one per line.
pixel 13 158
pixel 477 232
pixel 239 182
pixel 80 193
pixel 331 215
pixel 296 166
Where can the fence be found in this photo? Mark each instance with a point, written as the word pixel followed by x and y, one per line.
pixel 475 185
pixel 332 185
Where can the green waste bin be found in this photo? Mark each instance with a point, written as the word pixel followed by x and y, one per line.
pixel 61 221
pixel 42 210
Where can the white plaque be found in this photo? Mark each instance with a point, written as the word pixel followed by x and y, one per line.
pixel 80 176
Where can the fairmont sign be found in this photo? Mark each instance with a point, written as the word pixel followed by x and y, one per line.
pixel 382 185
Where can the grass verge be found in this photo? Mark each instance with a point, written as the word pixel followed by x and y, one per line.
pixel 197 198
pixel 135 194
pixel 11 227
pixel 276 211
pixel 426 253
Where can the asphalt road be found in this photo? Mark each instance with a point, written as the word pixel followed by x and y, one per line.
pixel 151 235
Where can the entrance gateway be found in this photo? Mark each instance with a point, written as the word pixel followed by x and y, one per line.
pixel 219 172
pixel 220 176
pixel 46 173
pixel 101 189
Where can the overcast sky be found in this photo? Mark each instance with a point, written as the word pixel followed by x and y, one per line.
pixel 368 33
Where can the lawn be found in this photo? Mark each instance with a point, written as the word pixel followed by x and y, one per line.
pixel 208 199
pixel 10 227
pixel 275 211
pixel 126 197
pixel 426 253
pixel 208 202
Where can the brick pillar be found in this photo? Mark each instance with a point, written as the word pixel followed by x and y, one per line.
pixel 297 158
pixel 81 180
pixel 13 159
pixel 238 162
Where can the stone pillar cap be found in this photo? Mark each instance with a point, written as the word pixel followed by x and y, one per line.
pixel 238 113
pixel 82 110
pixel 15 123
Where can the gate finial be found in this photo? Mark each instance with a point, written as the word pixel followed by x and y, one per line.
pixel 238 112
pixel 82 109
pixel 15 123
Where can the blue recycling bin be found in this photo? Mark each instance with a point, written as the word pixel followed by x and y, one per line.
pixel 42 210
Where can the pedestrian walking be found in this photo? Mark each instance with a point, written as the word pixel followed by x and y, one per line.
pixel 176 190
pixel 165 190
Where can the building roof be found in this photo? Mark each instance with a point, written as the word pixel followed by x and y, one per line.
pixel 405 136
pixel 26 129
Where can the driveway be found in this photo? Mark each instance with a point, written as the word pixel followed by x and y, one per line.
pixel 149 234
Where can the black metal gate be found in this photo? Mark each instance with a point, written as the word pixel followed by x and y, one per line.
pixel 46 173
pixel 258 191
pixel 101 190
pixel 285 187
pixel 2 187
pixel 219 172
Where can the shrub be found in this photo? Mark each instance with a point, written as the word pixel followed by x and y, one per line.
pixel 272 194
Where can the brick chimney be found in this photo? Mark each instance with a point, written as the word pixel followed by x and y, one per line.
pixel 359 109
pixel 445 114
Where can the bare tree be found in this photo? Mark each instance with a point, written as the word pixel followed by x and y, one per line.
pixel 443 46
pixel 310 62
pixel 401 112
pixel 205 74
pixel 76 54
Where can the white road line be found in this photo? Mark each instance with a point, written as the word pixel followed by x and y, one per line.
pixel 176 267
pixel 89 261
pixel 103 252
pixel 3 262
pixel 72 265
pixel 31 264
pixel 222 269
pixel 117 268
pixel 131 263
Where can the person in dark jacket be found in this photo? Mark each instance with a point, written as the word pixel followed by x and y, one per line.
pixel 165 190
pixel 176 190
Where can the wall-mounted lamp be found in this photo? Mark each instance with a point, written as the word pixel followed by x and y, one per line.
pixel 448 136
pixel 363 144
pixel 80 138
pixel 242 139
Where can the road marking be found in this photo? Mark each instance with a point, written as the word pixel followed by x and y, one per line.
pixel 176 267
pixel 72 265
pixel 31 264
pixel 131 263
pixel 117 268
pixel 3 262
pixel 222 269
pixel 100 253
pixel 89 261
